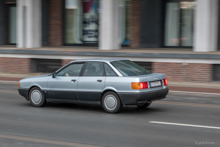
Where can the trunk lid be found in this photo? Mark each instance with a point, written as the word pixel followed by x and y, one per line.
pixel 152 77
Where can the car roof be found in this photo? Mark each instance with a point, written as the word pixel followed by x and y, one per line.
pixel 100 59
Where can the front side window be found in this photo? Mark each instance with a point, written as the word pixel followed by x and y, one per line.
pixel 129 68
pixel 94 69
pixel 71 70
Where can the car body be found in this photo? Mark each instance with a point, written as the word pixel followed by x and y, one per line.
pixel 88 80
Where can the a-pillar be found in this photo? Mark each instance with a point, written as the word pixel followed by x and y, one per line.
pixel 29 33
pixel 206 26
pixel 109 25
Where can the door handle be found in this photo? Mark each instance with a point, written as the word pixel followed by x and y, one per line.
pixel 99 81
pixel 73 80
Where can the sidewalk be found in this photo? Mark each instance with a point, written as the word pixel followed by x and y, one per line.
pixel 124 52
pixel 123 49
pixel 209 88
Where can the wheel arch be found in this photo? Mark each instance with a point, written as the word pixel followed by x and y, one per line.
pixel 109 90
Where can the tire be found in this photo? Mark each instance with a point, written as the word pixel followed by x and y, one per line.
pixel 36 97
pixel 111 102
pixel 145 105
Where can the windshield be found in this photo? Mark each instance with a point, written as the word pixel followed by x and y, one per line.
pixel 129 68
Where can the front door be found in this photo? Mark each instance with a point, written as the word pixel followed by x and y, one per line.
pixel 64 85
pixel 92 82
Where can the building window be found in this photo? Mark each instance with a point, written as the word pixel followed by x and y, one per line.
pixel 216 72
pixel 124 10
pixel 12 24
pixel 45 65
pixel 82 21
pixel 179 22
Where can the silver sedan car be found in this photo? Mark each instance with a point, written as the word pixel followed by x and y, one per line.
pixel 109 82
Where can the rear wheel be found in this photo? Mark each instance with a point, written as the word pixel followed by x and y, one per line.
pixel 111 102
pixel 144 105
pixel 36 97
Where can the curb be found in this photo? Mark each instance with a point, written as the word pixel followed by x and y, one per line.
pixel 188 93
pixel 8 82
pixel 171 92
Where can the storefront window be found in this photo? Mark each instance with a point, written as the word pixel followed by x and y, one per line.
pixel 179 23
pixel 12 24
pixel 90 21
pixel 124 10
pixel 82 21
pixel 187 23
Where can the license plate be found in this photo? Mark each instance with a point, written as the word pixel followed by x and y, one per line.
pixel 155 84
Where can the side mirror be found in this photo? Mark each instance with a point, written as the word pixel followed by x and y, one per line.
pixel 53 75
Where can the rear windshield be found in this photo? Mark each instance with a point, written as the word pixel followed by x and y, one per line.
pixel 129 68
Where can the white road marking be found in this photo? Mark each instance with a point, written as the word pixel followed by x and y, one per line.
pixel 187 125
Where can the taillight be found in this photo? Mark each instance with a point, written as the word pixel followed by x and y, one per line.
pixel 165 82
pixel 139 85
pixel 19 85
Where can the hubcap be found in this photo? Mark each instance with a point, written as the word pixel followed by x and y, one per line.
pixel 110 102
pixel 36 96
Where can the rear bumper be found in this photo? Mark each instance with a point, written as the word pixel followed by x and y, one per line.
pixel 23 92
pixel 133 98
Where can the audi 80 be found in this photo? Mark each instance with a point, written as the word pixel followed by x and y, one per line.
pixel 109 82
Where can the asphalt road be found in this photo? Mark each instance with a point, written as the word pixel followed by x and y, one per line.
pixel 177 121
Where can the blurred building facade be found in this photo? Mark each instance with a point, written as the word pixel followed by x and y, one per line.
pixel 111 24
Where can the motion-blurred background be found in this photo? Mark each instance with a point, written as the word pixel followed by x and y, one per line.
pixel 180 38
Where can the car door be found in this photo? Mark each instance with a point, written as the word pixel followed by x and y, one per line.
pixel 64 85
pixel 92 82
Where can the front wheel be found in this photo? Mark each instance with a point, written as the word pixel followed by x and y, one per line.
pixel 144 105
pixel 36 97
pixel 111 102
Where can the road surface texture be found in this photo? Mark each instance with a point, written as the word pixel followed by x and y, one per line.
pixel 177 121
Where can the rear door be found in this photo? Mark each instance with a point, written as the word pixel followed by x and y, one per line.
pixel 64 85
pixel 92 82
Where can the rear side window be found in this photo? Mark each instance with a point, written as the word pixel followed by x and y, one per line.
pixel 109 71
pixel 129 68
pixel 94 69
